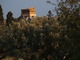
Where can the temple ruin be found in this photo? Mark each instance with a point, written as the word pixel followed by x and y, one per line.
pixel 29 12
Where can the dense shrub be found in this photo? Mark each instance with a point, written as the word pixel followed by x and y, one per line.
pixel 38 39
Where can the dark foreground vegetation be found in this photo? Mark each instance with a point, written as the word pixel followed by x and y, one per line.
pixel 43 38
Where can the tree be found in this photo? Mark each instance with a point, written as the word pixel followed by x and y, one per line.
pixel 9 18
pixel 68 12
pixel 1 14
pixel 49 15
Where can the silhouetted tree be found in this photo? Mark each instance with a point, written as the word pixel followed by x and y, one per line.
pixel 9 18
pixel 1 14
pixel 49 15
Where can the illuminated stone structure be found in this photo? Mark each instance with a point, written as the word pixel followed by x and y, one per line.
pixel 29 12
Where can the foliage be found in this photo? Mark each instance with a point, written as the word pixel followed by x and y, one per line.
pixel 38 39
pixel 23 39
pixel 69 14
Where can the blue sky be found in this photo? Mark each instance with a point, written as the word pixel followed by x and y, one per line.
pixel 15 6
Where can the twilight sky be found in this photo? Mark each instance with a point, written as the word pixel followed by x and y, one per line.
pixel 15 6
